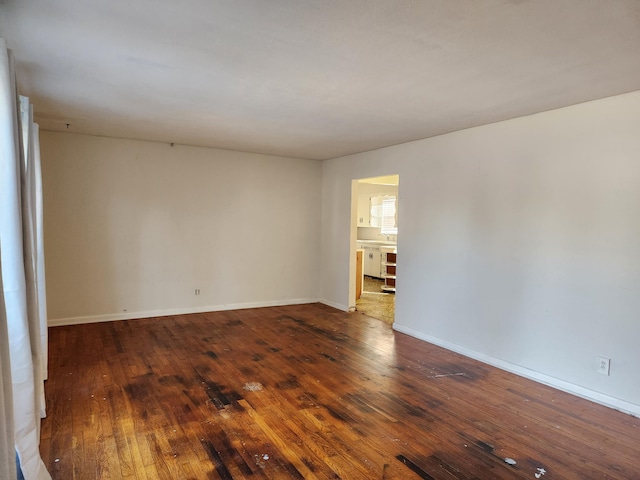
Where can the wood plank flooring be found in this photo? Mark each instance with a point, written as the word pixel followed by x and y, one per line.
pixel 308 392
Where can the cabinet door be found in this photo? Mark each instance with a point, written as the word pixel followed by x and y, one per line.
pixel 375 212
pixel 364 211
pixel 372 262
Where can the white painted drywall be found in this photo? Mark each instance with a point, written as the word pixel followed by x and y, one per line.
pixel 520 242
pixel 133 228
pixel 371 189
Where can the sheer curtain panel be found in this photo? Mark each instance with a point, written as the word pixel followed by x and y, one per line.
pixel 7 449
pixel 29 241
pixel 19 265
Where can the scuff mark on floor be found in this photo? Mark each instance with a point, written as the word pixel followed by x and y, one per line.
pixel 414 468
pixel 449 375
pixel 540 472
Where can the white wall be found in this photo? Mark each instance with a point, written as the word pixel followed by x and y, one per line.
pixel 372 189
pixel 133 228
pixel 519 244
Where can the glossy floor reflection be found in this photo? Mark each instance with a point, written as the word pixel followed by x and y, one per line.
pixel 308 392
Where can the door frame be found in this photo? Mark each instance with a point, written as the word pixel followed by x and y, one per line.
pixel 353 233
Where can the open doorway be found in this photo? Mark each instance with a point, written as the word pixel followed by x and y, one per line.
pixel 376 244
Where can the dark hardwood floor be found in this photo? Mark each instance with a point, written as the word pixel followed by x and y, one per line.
pixel 308 392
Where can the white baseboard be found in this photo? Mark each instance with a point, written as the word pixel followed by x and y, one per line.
pixel 334 304
pixel 110 317
pixel 600 398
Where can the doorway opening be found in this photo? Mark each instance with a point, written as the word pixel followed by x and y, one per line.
pixel 375 245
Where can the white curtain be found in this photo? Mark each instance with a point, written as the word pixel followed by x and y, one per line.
pixel 24 325
pixel 39 261
pixel 30 245
pixel 7 449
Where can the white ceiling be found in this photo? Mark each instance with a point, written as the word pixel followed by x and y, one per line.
pixel 313 78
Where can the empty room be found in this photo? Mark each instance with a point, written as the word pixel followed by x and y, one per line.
pixel 193 195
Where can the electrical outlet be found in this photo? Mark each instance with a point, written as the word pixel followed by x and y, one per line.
pixel 197 292
pixel 604 365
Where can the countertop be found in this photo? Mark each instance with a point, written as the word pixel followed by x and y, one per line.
pixel 378 242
